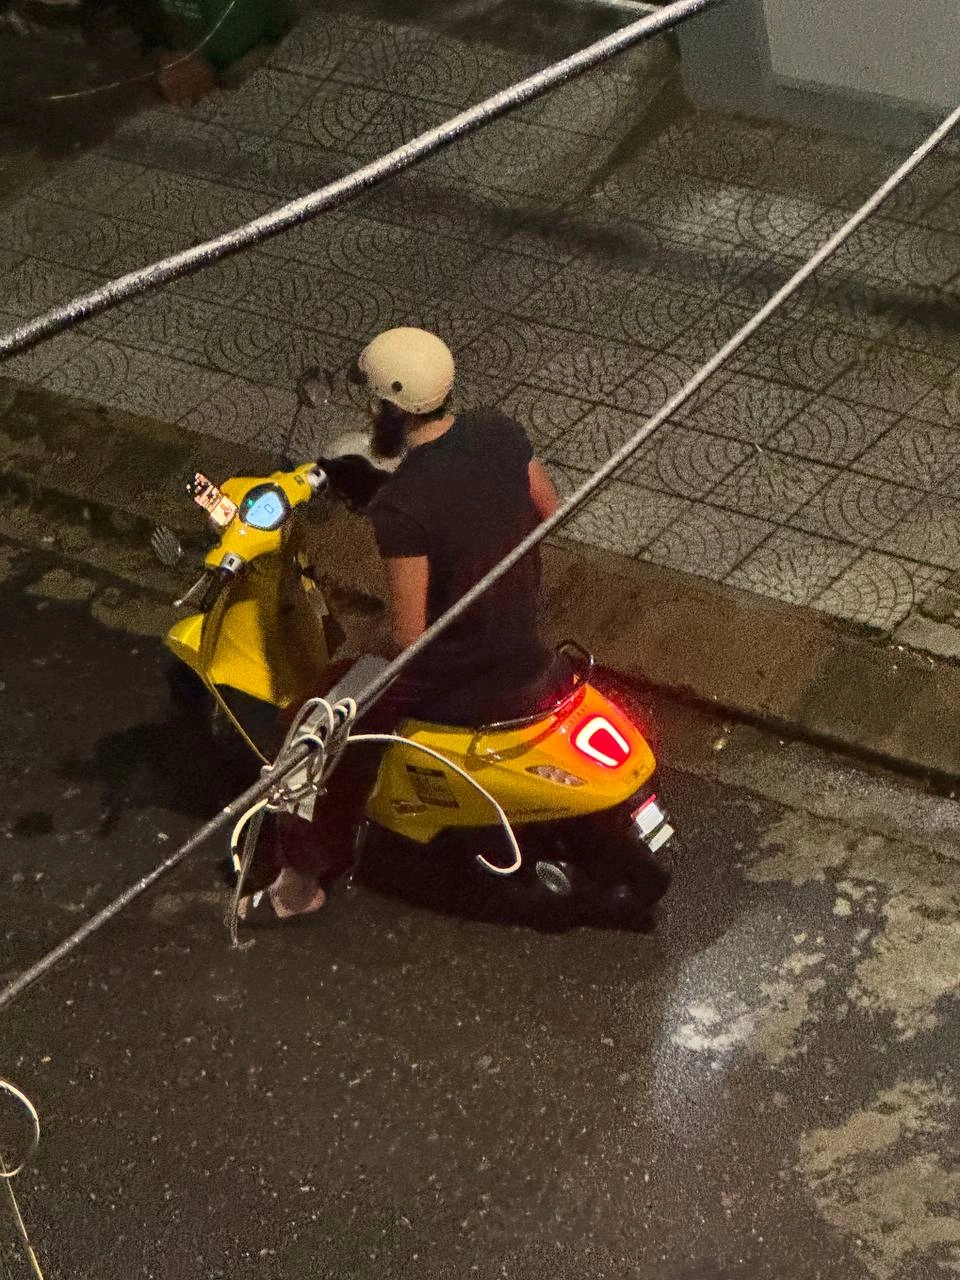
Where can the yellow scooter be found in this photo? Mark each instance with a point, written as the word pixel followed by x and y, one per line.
pixel 575 779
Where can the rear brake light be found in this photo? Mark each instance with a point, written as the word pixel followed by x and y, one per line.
pixel 598 740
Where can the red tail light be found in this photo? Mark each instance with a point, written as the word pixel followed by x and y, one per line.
pixel 598 740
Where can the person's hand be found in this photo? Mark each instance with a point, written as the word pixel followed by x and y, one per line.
pixel 353 479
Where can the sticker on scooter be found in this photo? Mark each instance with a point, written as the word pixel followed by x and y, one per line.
pixel 431 786
pixel 407 808
pixel 214 501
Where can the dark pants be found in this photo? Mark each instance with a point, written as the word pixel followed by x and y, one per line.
pixel 323 847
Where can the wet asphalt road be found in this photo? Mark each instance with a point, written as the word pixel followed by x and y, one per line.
pixel 765 1087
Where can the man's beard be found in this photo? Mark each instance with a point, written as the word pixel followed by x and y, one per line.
pixel 389 436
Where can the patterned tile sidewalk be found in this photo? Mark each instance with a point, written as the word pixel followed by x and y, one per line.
pixel 579 275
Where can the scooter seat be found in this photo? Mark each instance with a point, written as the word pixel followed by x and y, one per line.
pixel 524 704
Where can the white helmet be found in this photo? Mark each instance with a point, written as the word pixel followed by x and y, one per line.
pixel 410 368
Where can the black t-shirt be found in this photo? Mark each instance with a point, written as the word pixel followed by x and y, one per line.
pixel 463 501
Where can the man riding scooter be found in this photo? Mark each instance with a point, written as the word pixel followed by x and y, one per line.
pixel 468 490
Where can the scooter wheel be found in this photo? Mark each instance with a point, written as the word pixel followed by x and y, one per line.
pixel 556 877
pixel 649 875
pixel 663 859
pixel 622 905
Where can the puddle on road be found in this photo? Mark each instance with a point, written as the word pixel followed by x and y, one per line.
pixel 763 1006
pixel 8 560
pixel 875 1179
pixel 905 898
pixel 879 924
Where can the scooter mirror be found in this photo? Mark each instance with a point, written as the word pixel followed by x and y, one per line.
pixel 166 546
pixel 314 387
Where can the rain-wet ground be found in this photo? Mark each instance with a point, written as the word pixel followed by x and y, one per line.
pixel 68 76
pixel 582 257
pixel 763 1087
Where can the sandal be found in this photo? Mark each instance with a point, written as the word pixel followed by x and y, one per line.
pixel 257 911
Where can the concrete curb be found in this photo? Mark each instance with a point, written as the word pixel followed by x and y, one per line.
pixel 787 668
pixel 790 669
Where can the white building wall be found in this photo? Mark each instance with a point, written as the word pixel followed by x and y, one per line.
pixel 903 49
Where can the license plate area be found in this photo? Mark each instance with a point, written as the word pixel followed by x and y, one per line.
pixel 652 823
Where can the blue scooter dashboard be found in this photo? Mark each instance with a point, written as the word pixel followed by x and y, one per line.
pixel 264 507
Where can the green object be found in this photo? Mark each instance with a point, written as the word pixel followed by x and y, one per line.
pixel 232 31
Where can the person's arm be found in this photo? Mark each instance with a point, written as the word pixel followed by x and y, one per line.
pixel 542 492
pixel 403 547
pixel 408 578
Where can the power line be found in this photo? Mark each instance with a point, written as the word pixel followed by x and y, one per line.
pixel 576 500
pixel 71 313
pixel 613 464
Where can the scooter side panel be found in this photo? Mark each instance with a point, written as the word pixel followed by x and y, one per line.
pixel 416 797
pixel 270 642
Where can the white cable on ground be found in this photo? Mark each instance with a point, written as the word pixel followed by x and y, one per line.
pixel 18 1095
pixel 7 1175
pixel 373 691
pixel 289 215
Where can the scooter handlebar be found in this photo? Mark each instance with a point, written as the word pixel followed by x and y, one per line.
pixel 205 590
pixel 352 478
